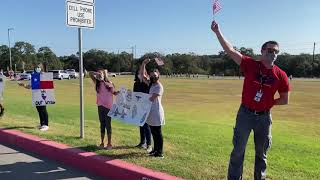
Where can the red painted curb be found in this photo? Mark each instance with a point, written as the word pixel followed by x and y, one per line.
pixel 86 161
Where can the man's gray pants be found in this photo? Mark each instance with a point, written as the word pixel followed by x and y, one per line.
pixel 261 126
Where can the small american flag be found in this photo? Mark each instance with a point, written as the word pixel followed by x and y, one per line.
pixel 159 61
pixel 216 6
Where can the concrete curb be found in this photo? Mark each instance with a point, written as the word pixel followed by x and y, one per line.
pixel 86 161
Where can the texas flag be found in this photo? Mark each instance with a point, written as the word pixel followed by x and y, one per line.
pixel 42 89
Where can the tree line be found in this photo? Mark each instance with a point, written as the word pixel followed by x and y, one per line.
pixel 25 57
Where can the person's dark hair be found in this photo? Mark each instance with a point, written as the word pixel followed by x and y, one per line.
pixel 136 78
pixel 264 46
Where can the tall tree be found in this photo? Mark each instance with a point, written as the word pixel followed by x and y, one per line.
pixel 24 52
pixel 4 57
pixel 50 61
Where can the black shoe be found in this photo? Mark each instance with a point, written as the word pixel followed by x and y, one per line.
pixel 152 153
pixel 1 111
pixel 158 155
pixel 141 146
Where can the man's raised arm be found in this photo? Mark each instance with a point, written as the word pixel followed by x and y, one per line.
pixel 227 47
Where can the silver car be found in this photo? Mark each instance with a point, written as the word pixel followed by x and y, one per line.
pixel 60 74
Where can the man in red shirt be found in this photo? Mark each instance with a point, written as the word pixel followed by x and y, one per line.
pixel 262 80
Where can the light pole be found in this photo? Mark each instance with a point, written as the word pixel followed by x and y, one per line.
pixel 10 29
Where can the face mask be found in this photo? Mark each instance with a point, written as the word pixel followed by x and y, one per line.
pixel 271 57
pixel 38 70
pixel 154 79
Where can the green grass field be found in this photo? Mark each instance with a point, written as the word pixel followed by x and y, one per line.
pixel 200 115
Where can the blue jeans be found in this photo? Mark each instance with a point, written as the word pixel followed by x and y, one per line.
pixel 261 126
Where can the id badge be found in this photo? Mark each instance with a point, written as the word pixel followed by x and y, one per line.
pixel 258 96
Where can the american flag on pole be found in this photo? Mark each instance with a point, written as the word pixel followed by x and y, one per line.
pixel 216 6
pixel 42 89
pixel 159 61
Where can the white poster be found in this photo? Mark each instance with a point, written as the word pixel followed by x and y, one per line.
pixel 42 89
pixel 131 107
pixel 42 97
pixel 2 79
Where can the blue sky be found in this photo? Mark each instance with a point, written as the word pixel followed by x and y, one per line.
pixel 166 26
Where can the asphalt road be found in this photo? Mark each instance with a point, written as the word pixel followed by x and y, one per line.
pixel 16 164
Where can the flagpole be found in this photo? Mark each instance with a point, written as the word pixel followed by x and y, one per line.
pixel 213 10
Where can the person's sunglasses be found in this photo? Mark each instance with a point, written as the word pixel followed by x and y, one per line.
pixel 271 50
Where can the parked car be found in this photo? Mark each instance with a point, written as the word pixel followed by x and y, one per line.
pixel 60 74
pixel 29 71
pixel 72 73
pixel 25 76
pixel 112 74
pixel 16 75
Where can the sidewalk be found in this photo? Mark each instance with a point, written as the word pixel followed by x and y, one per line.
pixel 87 161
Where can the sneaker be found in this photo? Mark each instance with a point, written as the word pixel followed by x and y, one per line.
pixel 141 146
pixel 158 155
pixel 149 148
pixel 151 153
pixel 39 126
pixel 44 128
pixel 108 147
pixel 101 146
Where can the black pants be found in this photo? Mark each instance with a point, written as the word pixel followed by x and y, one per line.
pixel 145 134
pixel 105 120
pixel 43 115
pixel 157 138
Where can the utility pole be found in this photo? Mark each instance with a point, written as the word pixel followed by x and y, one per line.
pixel 135 51
pixel 10 29
pixel 118 62
pixel 23 64
pixel 314 47
pixel 132 50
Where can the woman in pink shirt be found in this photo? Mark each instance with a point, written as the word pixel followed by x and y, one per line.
pixel 105 91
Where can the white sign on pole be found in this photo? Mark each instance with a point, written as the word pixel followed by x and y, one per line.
pixel 80 15
pixel 83 1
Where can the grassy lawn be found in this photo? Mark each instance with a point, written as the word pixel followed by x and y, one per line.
pixel 200 116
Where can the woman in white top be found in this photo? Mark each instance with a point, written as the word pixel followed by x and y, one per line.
pixel 156 116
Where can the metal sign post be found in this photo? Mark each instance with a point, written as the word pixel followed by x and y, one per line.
pixel 81 84
pixel 80 13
